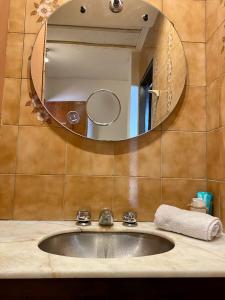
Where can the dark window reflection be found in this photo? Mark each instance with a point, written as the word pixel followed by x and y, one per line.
pixel 145 101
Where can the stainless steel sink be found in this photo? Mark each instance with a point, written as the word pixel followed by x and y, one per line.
pixel 105 244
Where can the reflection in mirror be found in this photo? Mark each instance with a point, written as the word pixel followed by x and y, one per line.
pixel 111 76
pixel 103 107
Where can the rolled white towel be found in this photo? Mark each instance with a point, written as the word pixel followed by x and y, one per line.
pixel 193 224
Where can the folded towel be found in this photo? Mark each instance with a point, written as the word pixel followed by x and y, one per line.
pixel 193 224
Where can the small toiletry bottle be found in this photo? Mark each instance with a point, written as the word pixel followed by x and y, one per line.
pixel 198 205
pixel 207 199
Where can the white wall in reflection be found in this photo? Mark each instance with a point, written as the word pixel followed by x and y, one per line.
pixel 134 111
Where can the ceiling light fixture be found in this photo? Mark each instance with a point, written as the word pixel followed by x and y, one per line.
pixel 116 5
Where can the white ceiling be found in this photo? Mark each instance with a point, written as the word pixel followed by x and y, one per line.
pixel 93 35
pixel 77 61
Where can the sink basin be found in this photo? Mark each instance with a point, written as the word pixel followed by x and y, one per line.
pixel 105 244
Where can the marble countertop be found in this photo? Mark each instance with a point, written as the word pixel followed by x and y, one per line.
pixel 20 256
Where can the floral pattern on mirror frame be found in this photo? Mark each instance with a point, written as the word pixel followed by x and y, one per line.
pixel 38 109
pixel 44 9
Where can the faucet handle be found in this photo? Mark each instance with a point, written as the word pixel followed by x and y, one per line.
pixel 83 218
pixel 130 219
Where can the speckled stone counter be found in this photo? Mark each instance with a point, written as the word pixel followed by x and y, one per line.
pixel 20 256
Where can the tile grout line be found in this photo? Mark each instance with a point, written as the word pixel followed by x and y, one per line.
pixel 161 130
pixel 108 176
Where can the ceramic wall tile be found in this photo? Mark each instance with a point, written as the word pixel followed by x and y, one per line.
pixel 195 55
pixel 221 49
pixel 222 202
pixel 4 14
pixel 215 15
pixel 184 155
pixel 214 188
pixel 6 196
pixel 14 54
pixel 86 192
pixel 89 157
pixel 211 17
pixel 190 113
pixel 38 197
pixel 222 100
pixel 221 144
pixel 213 105
pixel 188 17
pixel 213 154
pixel 11 101
pixel 142 195
pixel 17 15
pixel 216 154
pixel 212 58
pixel 221 11
pixel 179 192
pixel 131 156
pixel 216 54
pixel 8 143
pixel 41 150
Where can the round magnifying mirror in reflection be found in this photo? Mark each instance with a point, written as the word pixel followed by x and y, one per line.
pixel 103 107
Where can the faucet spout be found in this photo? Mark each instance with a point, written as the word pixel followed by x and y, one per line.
pixel 106 217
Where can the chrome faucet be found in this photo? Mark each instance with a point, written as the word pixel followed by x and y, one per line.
pixel 106 217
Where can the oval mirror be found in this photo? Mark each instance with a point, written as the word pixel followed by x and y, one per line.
pixel 108 70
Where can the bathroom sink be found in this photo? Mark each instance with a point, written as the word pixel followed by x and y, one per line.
pixel 105 244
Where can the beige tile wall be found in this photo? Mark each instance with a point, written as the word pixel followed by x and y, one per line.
pixel 4 13
pixel 215 63
pixel 46 173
